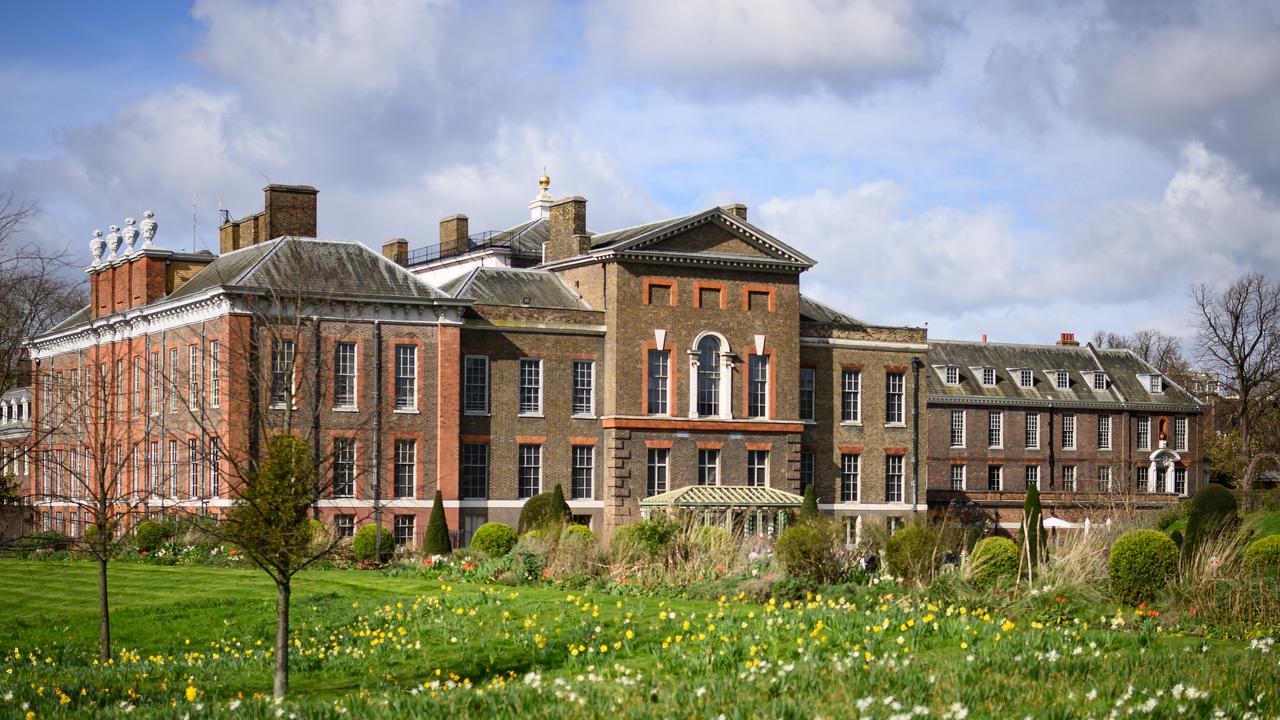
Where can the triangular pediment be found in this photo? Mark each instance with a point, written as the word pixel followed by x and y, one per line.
pixel 712 235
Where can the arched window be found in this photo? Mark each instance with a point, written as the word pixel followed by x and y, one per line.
pixel 709 376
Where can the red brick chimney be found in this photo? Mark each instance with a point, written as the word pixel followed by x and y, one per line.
pixel 1068 340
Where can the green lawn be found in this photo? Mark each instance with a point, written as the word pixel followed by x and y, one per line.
pixel 195 641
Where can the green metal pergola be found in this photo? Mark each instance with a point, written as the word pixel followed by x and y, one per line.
pixel 763 510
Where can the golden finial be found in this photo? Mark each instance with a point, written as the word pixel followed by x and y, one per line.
pixel 544 182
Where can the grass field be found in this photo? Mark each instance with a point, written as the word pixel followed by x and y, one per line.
pixel 193 641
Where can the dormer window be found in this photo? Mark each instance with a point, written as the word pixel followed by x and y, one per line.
pixel 953 375
pixel 1026 378
pixel 1099 381
pixel 1061 380
pixel 989 377
pixel 1155 383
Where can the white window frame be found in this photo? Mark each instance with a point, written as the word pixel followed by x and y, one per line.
pixel 1104 432
pixel 963 480
pixel 1031 474
pixel 995 429
pixel 284 354
pixel 398 460
pixel 757 462
pixel 957 434
pixel 348 457
pixel 1068 431
pixel 535 363
pixel 173 379
pixel 1061 380
pixel 193 376
pixel 1143 432
pixel 895 400
pixel 1026 378
pixel 850 473
pixel 469 381
pixel 1099 381
pixel 900 489
pixel 353 375
pixel 1105 479
pixel 1031 430
pixel 1069 478
pixel 404 403
pixel 1180 433
pixel 847 375
pixel 215 468
pixel 536 451
pixel 756 387
pixel 988 377
pixel 575 452
pixel 657 465
pixel 591 388
pixel 215 382
pixel 664 397
pixel 951 375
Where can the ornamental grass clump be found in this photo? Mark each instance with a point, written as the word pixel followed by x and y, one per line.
pixel 992 558
pixel 1141 564
pixel 493 539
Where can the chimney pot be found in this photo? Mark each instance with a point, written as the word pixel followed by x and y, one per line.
pixel 1068 339
pixel 984 338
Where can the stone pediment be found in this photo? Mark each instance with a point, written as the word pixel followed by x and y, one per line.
pixel 714 235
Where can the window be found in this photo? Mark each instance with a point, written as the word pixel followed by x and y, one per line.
pixel 893 478
pixel 156 371
pixel 806 471
pixel 584 472
pixel 995 429
pixel 584 394
pixel 344 375
pixel 406 377
pixel 406 452
pixel 530 477
pixel 215 386
pixel 1104 479
pixel 1033 475
pixel 708 466
pixel 344 526
pixel 957 477
pixel 530 386
pixel 173 380
pixel 849 470
pixel 995 478
pixel 281 371
pixel 851 396
pixel 173 468
pixel 659 367
pixel 757 468
pixel 758 386
pixel 344 467
pixel 808 379
pixel 1068 431
pixel 658 470
pixel 989 377
pixel 1180 433
pixel 1155 383
pixel 471 522
pixel 1069 478
pixel 1144 433
pixel 1061 380
pixel 475 384
pixel 1141 479
pixel 119 403
pixel 708 376
pixel 1033 430
pixel 153 467
pixel 193 376
pixel 1099 381
pixel 1104 432
pixel 953 375
pixel 404 529
pixel 894 398
pixel 193 468
pixel 1180 480
pixel 1026 378
pixel 475 471
pixel 957 428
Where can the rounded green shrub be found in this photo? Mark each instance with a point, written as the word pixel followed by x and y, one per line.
pixel 1212 512
pixel 149 535
pixel 575 530
pixel 90 533
pixel 912 553
pixel 807 551
pixel 1263 555
pixel 1140 565
pixel 993 558
pixel 493 539
pixel 655 534
pixel 534 512
pixel 364 543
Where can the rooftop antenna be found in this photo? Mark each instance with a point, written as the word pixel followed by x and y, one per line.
pixel 193 222
pixel 222 211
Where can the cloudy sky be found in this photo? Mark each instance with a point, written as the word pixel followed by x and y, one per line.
pixel 1016 169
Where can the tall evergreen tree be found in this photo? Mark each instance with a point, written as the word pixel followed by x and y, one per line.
pixel 809 508
pixel 436 541
pixel 558 510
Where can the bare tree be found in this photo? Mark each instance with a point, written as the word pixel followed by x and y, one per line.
pixel 1161 350
pixel 1239 339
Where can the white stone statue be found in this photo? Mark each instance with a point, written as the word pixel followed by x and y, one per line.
pixel 96 246
pixel 130 234
pixel 149 227
pixel 113 239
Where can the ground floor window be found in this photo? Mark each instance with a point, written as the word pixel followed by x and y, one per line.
pixel 403 529
pixel 1104 479
pixel 1180 480
pixel 757 468
pixel 471 521
pixel 657 483
pixel 530 470
pixel 957 477
pixel 1069 478
pixel 583 481
pixel 849 478
pixel 1033 475
pixel 893 478
pixel 708 467
pixel 994 478
pixel 344 526
pixel 475 471
pixel 405 458
pixel 806 471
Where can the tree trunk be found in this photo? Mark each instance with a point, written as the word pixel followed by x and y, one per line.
pixel 282 638
pixel 104 615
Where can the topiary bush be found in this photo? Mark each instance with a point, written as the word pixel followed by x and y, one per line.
pixel 807 551
pixel 558 509
pixel 1140 565
pixel 1034 537
pixel 992 558
pixel 1211 512
pixel 493 539
pixel 436 539
pixel 1263 555
pixel 363 545
pixel 809 508
pixel 534 512
pixel 912 553
pixel 149 535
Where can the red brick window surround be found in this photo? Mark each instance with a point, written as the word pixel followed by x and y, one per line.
pixel 757 297
pixel 710 294
pixel 659 291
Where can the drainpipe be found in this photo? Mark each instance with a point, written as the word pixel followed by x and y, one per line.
pixel 316 390
pixel 1050 440
pixel 377 440
pixel 916 364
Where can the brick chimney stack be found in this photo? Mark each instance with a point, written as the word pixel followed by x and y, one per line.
pixel 396 250
pixel 568 231
pixel 453 235
pixel 737 209
pixel 286 210
pixel 1068 340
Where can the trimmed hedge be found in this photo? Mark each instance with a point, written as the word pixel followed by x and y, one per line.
pixel 993 558
pixel 493 539
pixel 44 540
pixel 911 553
pixel 806 551
pixel 150 535
pixel 1212 512
pixel 363 545
pixel 1263 555
pixel 1141 563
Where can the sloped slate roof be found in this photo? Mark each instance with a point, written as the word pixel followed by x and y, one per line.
pixel 617 237
pixel 76 318
pixel 322 267
pixel 1122 368
pixel 723 496
pixel 813 311
pixel 509 286
pixel 526 238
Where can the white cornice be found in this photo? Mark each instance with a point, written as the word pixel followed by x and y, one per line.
pixel 897 345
